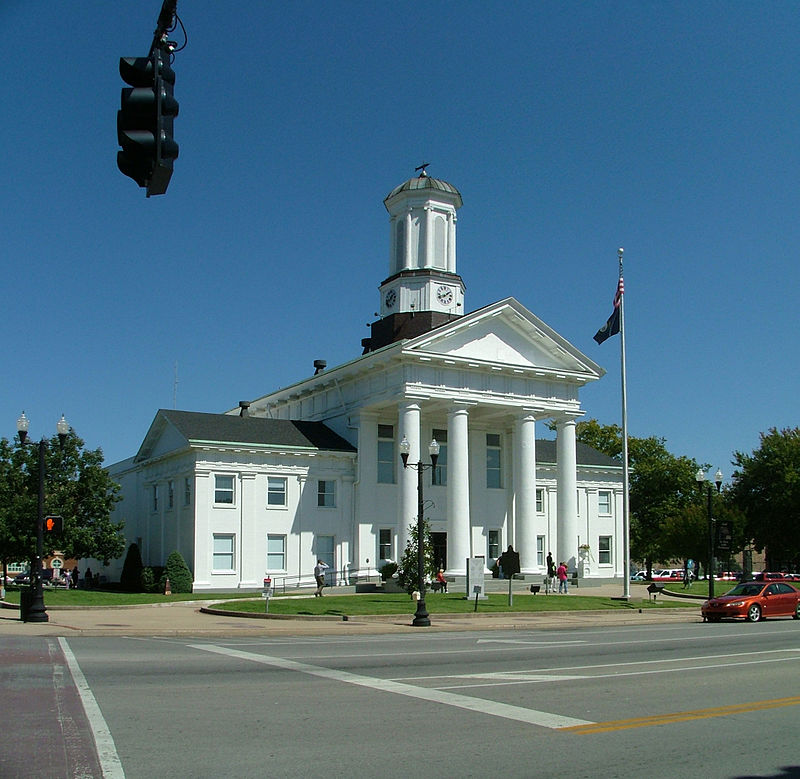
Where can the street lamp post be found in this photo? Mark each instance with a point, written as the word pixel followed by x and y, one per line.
pixel 421 617
pixel 36 611
pixel 700 476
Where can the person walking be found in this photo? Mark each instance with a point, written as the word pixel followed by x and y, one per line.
pixel 550 583
pixel 561 573
pixel 319 576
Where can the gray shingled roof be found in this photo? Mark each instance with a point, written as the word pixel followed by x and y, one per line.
pixel 586 455
pixel 226 428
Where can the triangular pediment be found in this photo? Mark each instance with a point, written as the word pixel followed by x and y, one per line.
pixel 506 334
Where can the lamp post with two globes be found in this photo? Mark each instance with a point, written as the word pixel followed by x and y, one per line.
pixel 421 617
pixel 700 477
pixel 35 611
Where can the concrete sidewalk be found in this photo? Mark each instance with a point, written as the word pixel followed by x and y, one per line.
pixel 185 618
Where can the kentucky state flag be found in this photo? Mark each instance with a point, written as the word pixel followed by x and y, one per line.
pixel 611 327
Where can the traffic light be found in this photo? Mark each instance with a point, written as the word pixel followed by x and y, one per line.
pixel 145 121
pixel 54 526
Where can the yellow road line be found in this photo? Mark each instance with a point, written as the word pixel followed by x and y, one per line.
pixel 681 716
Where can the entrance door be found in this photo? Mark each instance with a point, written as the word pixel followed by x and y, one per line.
pixel 439 541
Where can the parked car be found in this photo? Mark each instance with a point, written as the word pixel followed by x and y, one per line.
pixel 754 601
pixel 22 580
pixel 769 576
pixel 639 576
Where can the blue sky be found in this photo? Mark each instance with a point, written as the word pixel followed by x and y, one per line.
pixel 570 129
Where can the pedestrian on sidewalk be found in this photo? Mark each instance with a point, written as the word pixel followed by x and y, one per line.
pixel 319 576
pixel 550 580
pixel 561 573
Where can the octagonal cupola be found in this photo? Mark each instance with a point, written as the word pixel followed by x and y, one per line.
pixel 422 283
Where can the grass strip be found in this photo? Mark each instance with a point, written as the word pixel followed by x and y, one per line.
pixel 400 603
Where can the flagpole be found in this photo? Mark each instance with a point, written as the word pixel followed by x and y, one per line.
pixel 626 538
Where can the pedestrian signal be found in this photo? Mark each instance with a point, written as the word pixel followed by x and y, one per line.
pixel 53 526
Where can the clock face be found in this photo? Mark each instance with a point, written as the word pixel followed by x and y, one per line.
pixel 444 295
pixel 391 298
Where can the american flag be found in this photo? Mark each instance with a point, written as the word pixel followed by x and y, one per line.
pixel 611 327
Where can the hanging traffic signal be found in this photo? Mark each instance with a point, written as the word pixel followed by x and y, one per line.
pixel 53 526
pixel 145 121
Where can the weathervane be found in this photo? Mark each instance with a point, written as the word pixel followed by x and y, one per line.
pixel 422 168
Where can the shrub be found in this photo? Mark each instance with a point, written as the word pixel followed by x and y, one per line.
pixel 178 573
pixel 387 571
pixel 147 581
pixel 130 579
pixel 407 571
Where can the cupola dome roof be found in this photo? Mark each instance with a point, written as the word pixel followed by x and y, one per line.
pixel 425 182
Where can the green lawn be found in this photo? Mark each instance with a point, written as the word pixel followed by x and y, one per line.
pixel 368 603
pixel 400 603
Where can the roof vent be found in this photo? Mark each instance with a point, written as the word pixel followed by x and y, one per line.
pixel 319 366
pixel 244 408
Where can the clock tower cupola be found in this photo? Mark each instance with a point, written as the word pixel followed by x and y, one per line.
pixel 423 289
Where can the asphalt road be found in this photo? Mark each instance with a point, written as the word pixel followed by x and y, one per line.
pixel 654 701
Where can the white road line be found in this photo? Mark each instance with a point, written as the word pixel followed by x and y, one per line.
pixel 492 708
pixel 104 742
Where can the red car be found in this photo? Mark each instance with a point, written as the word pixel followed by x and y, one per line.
pixel 754 601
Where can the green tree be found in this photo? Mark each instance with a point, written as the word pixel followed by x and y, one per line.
pixel 766 487
pixel 178 573
pixel 407 568
pixel 77 487
pixel 661 486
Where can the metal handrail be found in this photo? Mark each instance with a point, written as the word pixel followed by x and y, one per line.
pixel 334 577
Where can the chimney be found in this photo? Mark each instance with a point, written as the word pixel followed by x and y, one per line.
pixel 244 408
pixel 319 366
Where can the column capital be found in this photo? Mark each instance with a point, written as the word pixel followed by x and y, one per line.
pixel 564 419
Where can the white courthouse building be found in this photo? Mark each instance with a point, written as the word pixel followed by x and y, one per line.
pixel 313 470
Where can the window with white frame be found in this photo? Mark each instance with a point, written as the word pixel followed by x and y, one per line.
pixel 494 472
pixel 439 473
pixel 604 503
pixel 540 501
pixel 385 543
pixel 386 458
pixel 276 553
pixel 187 491
pixel 604 550
pixel 493 544
pixel 222 555
pixel 224 489
pixel 540 550
pixel 326 493
pixel 276 490
pixel 170 494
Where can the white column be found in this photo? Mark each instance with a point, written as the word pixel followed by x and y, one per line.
pixel 451 243
pixel 408 427
pixel 367 513
pixel 251 562
pixel 407 258
pixel 347 542
pixel 201 502
pixel 567 494
pixel 525 492
pixel 458 521
pixel 428 261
